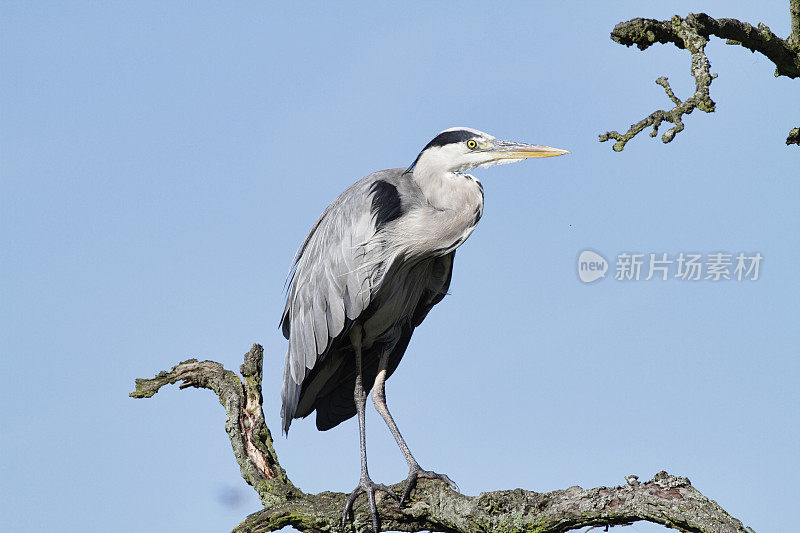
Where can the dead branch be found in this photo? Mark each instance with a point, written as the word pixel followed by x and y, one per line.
pixel 665 499
pixel 692 34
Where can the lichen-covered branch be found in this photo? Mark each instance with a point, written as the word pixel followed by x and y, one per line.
pixel 665 499
pixel 692 34
pixel 794 137
pixel 250 438
pixel 683 34
pixel 783 53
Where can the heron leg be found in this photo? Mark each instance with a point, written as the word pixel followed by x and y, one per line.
pixel 414 470
pixel 365 484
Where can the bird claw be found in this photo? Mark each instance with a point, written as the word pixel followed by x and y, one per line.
pixel 417 473
pixel 366 486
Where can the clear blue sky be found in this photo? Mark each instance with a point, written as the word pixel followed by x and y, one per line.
pixel 161 162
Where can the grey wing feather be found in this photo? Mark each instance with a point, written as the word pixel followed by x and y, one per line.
pixel 334 403
pixel 331 279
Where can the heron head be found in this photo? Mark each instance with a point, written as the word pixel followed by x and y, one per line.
pixel 459 149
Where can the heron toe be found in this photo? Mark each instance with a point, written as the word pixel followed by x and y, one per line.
pixel 368 487
pixel 415 473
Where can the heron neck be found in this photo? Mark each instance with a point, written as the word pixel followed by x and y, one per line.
pixel 448 190
pixel 455 203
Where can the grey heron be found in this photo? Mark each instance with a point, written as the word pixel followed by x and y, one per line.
pixel 371 268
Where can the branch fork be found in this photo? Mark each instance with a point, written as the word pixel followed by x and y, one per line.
pixel 692 34
pixel 665 499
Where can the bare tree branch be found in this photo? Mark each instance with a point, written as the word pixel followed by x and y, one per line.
pixel 692 34
pixel 683 34
pixel 250 437
pixel 666 499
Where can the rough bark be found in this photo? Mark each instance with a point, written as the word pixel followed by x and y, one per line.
pixel 692 34
pixel 665 499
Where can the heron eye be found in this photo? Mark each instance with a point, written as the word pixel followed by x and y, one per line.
pixel 471 144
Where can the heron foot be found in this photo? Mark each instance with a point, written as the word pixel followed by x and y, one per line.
pixel 368 487
pixel 416 472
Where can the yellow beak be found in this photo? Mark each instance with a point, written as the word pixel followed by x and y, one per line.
pixel 514 150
